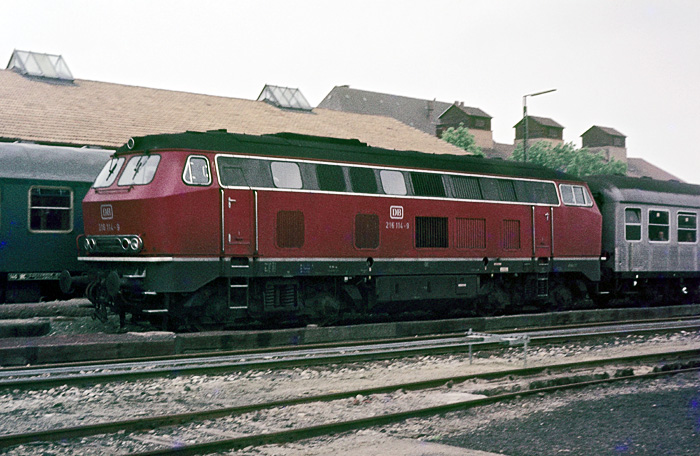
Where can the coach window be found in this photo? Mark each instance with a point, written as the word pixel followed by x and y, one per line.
pixel 633 224
pixel 658 226
pixel 286 175
pixel 687 227
pixel 50 209
pixel 393 182
pixel 196 171
pixel 575 195
pixel 139 170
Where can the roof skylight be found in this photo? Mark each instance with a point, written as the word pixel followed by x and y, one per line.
pixel 41 65
pixel 284 97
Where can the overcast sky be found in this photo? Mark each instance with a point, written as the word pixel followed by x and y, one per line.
pixel 630 65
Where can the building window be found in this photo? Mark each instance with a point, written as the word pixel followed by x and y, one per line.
pixel 366 231
pixel 471 233
pixel 290 229
pixel 363 180
pixel 687 227
pixel 658 226
pixel 330 178
pixel 286 175
pixel 431 232
pixel 633 224
pixel 50 209
pixel 196 171
pixel 511 234
pixel 393 182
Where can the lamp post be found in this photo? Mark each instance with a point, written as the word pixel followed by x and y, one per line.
pixel 525 118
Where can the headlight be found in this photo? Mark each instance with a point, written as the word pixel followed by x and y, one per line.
pixel 135 244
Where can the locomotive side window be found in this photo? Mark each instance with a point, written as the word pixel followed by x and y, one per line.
pixel 109 173
pixel 196 171
pixel 497 189
pixel 366 231
pixel 466 187
pixel 575 195
pixel 50 209
pixel 431 232
pixel 286 175
pixel 139 170
pixel 427 184
pixel 290 229
pixel 633 224
pixel 536 192
pixel 363 180
pixel 330 178
pixel 658 226
pixel 687 227
pixel 393 182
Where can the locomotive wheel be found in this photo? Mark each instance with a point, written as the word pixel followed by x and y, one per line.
pixel 560 296
pixel 496 300
pixel 323 309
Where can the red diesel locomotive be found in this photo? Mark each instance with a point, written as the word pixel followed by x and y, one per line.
pixel 209 228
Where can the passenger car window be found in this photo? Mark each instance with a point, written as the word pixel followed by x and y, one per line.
pixel 633 224
pixel 196 171
pixel 687 227
pixel 286 175
pixel 658 226
pixel 109 173
pixel 51 209
pixel 393 182
pixel 139 170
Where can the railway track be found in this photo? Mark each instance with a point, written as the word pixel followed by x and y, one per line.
pixel 86 373
pixel 184 432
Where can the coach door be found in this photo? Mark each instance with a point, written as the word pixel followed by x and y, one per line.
pixel 541 231
pixel 237 213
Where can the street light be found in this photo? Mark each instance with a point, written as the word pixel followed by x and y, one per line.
pixel 525 118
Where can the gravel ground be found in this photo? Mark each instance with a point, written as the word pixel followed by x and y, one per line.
pixel 22 411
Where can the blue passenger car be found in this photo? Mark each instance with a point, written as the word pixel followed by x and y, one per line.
pixel 41 189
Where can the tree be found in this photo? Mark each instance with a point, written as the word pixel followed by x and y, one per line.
pixel 566 158
pixel 461 138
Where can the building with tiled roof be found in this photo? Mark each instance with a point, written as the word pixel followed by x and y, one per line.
pixel 78 112
pixel 539 129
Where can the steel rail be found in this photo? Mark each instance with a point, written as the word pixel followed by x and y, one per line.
pixel 179 418
pixel 118 371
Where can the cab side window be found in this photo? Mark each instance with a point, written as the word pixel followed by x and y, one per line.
pixel 196 171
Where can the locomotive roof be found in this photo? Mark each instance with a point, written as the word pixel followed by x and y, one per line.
pixel 291 145
pixel 53 163
pixel 645 190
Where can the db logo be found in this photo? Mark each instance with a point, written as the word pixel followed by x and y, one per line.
pixel 106 212
pixel 396 212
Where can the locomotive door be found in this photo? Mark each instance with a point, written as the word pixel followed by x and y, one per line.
pixel 542 231
pixel 237 208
